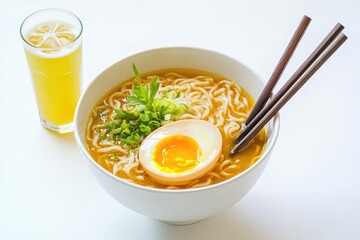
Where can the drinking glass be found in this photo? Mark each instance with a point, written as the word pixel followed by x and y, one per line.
pixel 52 40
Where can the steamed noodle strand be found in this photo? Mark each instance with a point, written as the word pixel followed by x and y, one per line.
pixel 217 100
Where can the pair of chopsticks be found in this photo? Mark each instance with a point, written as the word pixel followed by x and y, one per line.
pixel 266 109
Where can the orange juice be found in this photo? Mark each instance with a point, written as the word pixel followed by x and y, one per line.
pixel 53 51
pixel 57 84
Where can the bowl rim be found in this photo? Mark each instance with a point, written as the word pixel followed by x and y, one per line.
pixel 269 145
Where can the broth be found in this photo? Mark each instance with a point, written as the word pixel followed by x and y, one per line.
pixel 209 96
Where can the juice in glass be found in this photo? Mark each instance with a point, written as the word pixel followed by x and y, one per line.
pixel 52 40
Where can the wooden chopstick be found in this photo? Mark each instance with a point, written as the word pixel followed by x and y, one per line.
pixel 310 60
pixel 308 73
pixel 279 69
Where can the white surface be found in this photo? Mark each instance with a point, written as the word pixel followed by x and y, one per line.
pixel 310 189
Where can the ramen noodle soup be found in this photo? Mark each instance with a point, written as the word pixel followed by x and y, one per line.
pixel 190 94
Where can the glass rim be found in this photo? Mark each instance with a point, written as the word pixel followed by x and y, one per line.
pixel 46 10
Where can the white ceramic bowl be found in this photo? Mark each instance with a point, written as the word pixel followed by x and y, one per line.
pixel 174 206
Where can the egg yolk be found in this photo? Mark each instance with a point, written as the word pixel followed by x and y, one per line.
pixel 176 154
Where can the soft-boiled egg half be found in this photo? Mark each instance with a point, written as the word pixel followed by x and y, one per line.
pixel 181 151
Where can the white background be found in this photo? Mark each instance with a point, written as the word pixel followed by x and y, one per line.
pixel 310 189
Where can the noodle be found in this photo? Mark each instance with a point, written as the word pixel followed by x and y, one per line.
pixel 209 97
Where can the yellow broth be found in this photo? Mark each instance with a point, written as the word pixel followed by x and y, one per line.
pixel 227 166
